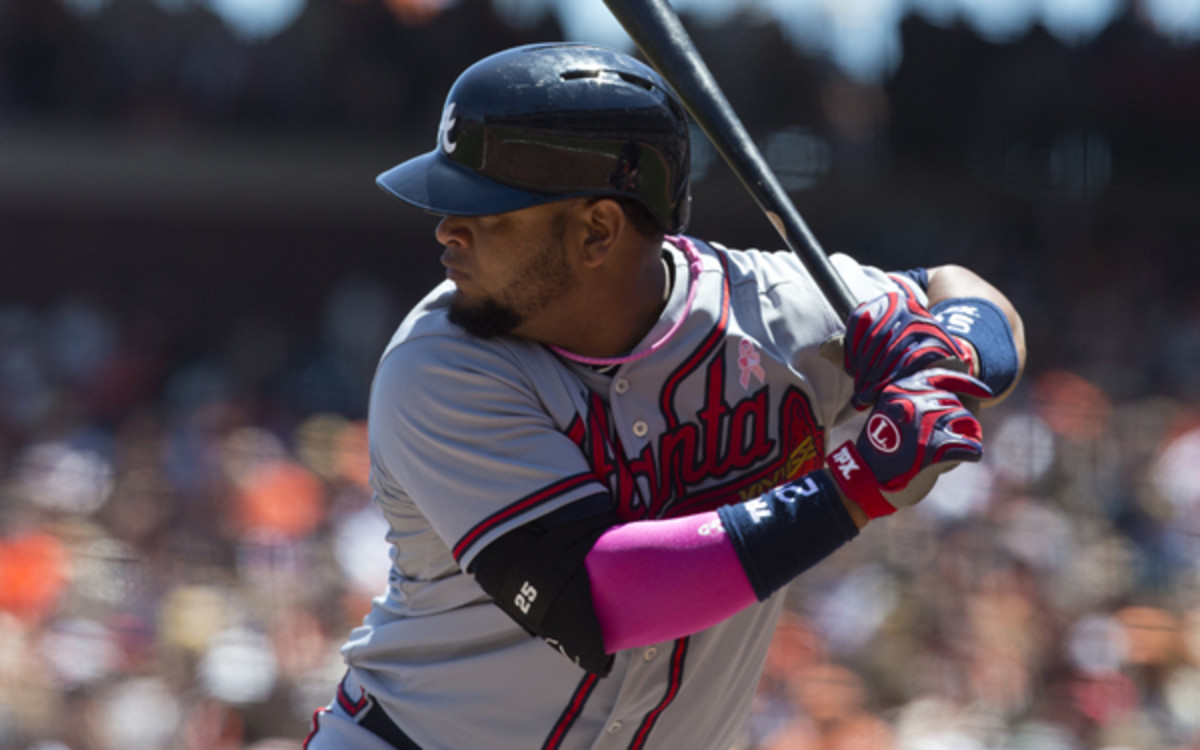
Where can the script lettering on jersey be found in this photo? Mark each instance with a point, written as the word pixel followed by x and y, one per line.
pixel 738 443
pixel 800 461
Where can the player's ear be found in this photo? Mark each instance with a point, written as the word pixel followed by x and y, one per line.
pixel 605 221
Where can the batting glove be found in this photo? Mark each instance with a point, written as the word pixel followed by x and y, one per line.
pixel 918 429
pixel 893 336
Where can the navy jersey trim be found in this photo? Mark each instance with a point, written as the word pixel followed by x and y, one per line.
pixel 571 712
pixel 678 657
pixel 542 496
pixel 349 706
pixel 702 352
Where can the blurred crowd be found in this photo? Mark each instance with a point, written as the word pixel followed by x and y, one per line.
pixel 186 534
pixel 1045 599
pixel 359 64
pixel 183 548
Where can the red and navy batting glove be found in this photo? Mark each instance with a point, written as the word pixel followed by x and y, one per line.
pixel 890 337
pixel 917 430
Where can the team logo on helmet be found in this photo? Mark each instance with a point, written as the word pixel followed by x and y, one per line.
pixel 446 127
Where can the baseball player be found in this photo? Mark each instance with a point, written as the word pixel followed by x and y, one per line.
pixel 601 445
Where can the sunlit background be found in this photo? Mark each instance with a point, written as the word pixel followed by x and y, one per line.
pixel 197 276
pixel 860 36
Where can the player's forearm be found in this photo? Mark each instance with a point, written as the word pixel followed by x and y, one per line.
pixel 951 281
pixel 658 580
pixel 655 581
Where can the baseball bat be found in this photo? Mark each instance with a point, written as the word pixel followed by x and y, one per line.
pixel 657 31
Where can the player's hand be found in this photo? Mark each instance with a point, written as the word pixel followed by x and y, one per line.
pixel 917 430
pixel 893 336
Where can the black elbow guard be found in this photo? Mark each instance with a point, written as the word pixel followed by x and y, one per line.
pixel 536 575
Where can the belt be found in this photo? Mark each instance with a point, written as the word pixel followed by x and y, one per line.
pixel 377 722
pixel 367 712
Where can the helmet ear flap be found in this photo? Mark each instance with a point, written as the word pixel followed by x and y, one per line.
pixel 625 176
pixel 544 122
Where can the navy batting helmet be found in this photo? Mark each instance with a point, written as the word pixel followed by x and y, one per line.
pixel 544 122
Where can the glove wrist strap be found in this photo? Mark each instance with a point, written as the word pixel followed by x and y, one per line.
pixel 850 472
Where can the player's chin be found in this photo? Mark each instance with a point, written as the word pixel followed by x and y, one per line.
pixel 485 319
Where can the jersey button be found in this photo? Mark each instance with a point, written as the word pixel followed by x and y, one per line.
pixel 650 654
pixel 640 428
pixel 621 385
pixel 614 727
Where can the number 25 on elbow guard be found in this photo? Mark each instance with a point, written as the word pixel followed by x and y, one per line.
pixel 525 597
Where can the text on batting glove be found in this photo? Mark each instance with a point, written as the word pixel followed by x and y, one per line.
pixel 893 336
pixel 917 430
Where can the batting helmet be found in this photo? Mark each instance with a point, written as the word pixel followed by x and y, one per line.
pixel 543 122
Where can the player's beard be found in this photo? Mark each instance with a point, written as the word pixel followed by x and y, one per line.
pixel 544 278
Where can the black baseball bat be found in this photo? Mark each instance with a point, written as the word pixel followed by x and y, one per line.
pixel 657 31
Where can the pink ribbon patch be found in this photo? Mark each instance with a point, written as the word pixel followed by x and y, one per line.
pixel 750 363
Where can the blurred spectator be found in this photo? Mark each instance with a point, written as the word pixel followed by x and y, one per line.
pixel 177 574
pixel 186 530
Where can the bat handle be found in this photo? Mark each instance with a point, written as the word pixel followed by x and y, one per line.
pixel 791 225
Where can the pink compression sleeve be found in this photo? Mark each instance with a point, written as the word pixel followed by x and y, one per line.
pixel 659 580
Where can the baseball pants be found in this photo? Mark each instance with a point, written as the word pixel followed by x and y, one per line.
pixel 354 721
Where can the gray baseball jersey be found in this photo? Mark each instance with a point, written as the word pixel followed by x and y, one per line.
pixel 472 438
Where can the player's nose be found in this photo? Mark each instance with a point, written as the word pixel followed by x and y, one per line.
pixel 453 230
